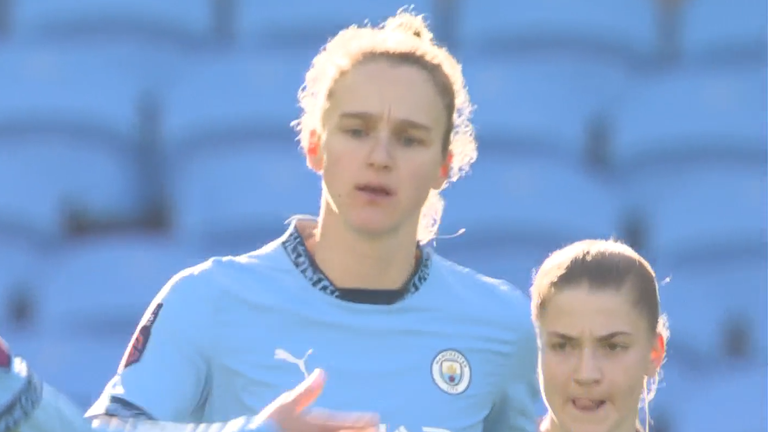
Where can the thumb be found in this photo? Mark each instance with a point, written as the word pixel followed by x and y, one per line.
pixel 308 391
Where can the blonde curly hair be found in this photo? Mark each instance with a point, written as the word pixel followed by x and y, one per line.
pixel 403 38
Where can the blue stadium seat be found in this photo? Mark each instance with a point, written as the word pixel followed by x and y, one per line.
pixel 693 113
pixel 101 286
pixel 533 197
pixel 709 206
pixel 540 105
pixel 78 365
pixel 671 388
pixel 227 190
pixel 704 293
pixel 234 158
pixel 723 401
pixel 142 36
pixel 599 28
pixel 307 25
pixel 51 18
pixel 20 251
pixel 232 98
pixel 66 136
pixel 512 256
pixel 48 84
pixel 713 27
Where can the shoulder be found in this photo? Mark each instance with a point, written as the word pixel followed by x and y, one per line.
pixel 497 299
pixel 205 284
pixel 496 294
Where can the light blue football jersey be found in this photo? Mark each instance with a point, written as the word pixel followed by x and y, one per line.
pixel 223 339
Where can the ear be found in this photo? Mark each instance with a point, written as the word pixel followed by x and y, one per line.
pixel 314 151
pixel 658 353
pixel 445 171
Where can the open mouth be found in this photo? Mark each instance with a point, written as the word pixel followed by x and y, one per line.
pixel 375 191
pixel 587 405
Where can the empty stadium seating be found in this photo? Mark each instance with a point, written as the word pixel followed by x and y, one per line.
pixel 619 32
pixel 224 190
pixel 712 29
pixel 692 113
pixel 540 106
pixel 145 38
pixel 311 23
pixel 81 364
pixel 66 137
pixel 50 19
pixel 499 252
pixel 103 285
pixel 548 197
pixel 739 399
pixel 706 293
pixel 21 250
pixel 685 158
pixel 235 152
pixel 245 96
pixel 707 206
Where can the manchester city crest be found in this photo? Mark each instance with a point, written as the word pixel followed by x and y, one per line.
pixel 450 371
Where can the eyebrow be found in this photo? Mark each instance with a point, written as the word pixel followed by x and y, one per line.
pixel 603 338
pixel 365 116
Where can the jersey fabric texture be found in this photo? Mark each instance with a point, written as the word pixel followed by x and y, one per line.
pixel 29 405
pixel 456 353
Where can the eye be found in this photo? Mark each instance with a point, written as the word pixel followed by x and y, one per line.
pixel 615 347
pixel 558 346
pixel 410 141
pixel 356 132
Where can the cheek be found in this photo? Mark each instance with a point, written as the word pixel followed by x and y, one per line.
pixel 627 375
pixel 555 373
pixel 336 165
pixel 420 174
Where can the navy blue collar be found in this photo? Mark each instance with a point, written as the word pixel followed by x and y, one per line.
pixel 297 251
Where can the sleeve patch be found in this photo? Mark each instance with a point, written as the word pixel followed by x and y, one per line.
pixel 5 356
pixel 140 340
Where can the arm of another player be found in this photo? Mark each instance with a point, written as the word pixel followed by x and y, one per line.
pixel 29 405
pixel 519 405
pixel 164 372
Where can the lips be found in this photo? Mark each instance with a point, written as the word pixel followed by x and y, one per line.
pixel 587 405
pixel 376 190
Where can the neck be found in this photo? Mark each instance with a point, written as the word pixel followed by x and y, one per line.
pixel 352 260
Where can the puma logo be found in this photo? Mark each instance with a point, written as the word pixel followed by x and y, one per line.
pixel 281 354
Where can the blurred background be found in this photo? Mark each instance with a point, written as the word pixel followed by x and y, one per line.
pixel 139 137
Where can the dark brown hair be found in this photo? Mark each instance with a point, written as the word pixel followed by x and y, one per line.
pixel 603 265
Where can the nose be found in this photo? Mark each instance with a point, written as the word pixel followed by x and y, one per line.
pixel 588 371
pixel 380 152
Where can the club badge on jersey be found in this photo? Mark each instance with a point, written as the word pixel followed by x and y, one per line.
pixel 140 339
pixel 451 372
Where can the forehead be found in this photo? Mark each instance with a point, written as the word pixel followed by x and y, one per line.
pixel 581 311
pixel 388 89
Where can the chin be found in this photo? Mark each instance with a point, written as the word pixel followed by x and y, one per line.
pixel 370 226
pixel 571 423
pixel 579 427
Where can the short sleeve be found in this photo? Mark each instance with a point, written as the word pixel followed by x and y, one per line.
pixel 519 405
pixel 164 372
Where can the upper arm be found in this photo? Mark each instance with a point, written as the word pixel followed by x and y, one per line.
pixel 519 404
pixel 164 371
